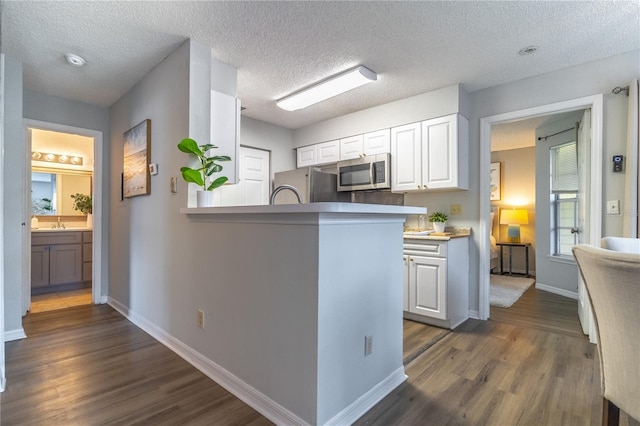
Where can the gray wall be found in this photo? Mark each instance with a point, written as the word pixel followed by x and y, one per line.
pixel 258 134
pixel 13 190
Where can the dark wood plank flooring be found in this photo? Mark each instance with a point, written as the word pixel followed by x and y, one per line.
pixel 542 310
pixel 88 365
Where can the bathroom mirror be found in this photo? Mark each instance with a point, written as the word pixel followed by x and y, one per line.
pixel 51 191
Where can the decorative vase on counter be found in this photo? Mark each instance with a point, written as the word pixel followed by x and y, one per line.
pixel 438 226
pixel 205 199
pixel 89 221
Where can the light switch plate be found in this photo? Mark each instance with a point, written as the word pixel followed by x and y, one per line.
pixel 613 207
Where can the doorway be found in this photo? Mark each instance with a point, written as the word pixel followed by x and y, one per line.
pixel 595 180
pixel 86 252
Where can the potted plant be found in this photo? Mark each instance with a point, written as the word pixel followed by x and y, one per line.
pixel 84 204
pixel 438 219
pixel 202 175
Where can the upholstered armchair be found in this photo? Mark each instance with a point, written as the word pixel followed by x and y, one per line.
pixel 612 280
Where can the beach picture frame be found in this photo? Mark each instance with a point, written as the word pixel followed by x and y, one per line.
pixel 137 150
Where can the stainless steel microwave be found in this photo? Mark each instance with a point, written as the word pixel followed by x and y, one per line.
pixel 368 172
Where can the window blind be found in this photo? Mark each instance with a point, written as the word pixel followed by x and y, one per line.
pixel 564 168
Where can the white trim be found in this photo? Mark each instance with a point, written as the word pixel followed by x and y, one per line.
pixel 473 314
pixel 251 396
pixel 98 155
pixel 594 102
pixel 556 290
pixel 2 100
pixel 367 401
pixel 565 259
pixel 16 334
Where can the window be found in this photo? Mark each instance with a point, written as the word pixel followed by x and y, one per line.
pixel 564 199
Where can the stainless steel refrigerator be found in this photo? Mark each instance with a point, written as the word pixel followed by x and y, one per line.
pixel 315 186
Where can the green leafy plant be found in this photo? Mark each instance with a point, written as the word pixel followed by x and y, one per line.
pixel 209 165
pixel 83 203
pixel 438 217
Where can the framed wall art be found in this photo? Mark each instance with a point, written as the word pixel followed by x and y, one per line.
pixel 137 151
pixel 494 181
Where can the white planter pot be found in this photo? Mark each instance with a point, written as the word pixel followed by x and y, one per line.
pixel 89 221
pixel 438 226
pixel 205 199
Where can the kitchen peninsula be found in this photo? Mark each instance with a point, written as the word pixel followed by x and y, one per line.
pixel 312 306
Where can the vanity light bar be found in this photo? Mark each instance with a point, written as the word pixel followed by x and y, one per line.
pixel 74 160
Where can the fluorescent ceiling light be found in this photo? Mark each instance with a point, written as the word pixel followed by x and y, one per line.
pixel 329 88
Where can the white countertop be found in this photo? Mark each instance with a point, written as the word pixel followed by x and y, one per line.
pixel 353 208
pixel 60 230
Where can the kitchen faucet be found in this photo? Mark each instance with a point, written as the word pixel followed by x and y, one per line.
pixel 282 187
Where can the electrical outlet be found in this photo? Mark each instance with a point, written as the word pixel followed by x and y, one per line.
pixel 455 209
pixel 613 207
pixel 368 345
pixel 200 318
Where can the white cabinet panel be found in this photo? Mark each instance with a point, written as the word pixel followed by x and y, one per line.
pixel 406 167
pixel 307 156
pixel 377 142
pixel 435 159
pixel 436 281
pixel 254 186
pixel 225 132
pixel 328 152
pixel 352 147
pixel 428 286
pixel 443 166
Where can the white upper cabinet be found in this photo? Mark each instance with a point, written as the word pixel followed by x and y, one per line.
pixel 225 132
pixel 377 142
pixel 307 156
pixel 406 166
pixel 352 147
pixel 328 152
pixel 432 155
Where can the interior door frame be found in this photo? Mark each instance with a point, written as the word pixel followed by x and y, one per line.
pixel 98 153
pixel 594 102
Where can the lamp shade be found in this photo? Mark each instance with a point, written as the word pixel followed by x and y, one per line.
pixel 514 217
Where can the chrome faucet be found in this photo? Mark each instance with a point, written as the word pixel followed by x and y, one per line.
pixel 283 187
pixel 58 225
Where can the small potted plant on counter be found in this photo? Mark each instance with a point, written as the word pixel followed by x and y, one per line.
pixel 84 204
pixel 202 176
pixel 438 219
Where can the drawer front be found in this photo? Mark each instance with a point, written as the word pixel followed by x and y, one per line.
pixel 427 248
pixel 87 237
pixel 56 237
pixel 87 250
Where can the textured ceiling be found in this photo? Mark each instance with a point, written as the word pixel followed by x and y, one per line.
pixel 280 47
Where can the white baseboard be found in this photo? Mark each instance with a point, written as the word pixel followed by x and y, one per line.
pixel 12 335
pixel 363 404
pixel 255 399
pixel 474 314
pixel 556 290
pixel 104 300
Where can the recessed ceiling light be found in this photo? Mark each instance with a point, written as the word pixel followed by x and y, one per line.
pixel 75 60
pixel 528 50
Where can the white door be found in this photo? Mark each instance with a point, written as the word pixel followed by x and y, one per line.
pixel 351 147
pixel 254 185
pixel 377 142
pixel 584 147
pixel 406 167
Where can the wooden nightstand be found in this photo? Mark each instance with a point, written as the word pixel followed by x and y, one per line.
pixel 511 246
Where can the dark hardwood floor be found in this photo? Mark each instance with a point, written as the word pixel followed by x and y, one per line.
pixel 542 310
pixel 90 366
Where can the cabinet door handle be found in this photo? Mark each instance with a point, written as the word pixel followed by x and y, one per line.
pixel 424 186
pixel 418 186
pixel 411 260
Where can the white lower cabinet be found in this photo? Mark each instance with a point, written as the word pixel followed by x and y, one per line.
pixel 436 281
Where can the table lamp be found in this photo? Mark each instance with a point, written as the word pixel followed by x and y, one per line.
pixel 514 218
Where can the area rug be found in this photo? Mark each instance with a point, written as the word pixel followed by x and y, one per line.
pixel 506 290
